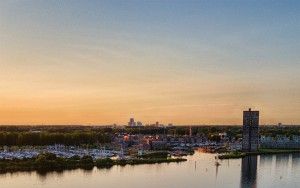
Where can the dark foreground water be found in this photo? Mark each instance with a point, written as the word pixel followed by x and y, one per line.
pixel 274 171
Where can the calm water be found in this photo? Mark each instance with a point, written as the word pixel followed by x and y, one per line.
pixel 276 171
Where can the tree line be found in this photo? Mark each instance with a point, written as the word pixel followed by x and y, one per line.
pixel 46 138
pixel 78 135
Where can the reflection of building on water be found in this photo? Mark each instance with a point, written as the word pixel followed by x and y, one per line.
pixel 265 160
pixel 249 172
pixel 217 170
pixel 282 161
pixel 295 160
pixel 280 166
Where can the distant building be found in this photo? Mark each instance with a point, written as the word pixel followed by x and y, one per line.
pixel 170 125
pixel 250 130
pixel 139 124
pixel 131 122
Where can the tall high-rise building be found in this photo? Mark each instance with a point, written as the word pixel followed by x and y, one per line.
pixel 250 131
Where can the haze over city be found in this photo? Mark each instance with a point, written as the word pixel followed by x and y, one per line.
pixel 102 62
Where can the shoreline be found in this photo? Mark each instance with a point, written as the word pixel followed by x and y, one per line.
pixel 238 155
pixel 49 162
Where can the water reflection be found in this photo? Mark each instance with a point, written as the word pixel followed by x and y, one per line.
pixel 266 160
pixel 200 170
pixel 217 169
pixel 282 161
pixel 45 173
pixel 295 160
pixel 249 172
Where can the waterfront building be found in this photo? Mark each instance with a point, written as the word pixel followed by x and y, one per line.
pixel 280 141
pixel 250 140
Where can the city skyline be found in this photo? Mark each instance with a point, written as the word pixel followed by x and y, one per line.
pixel 102 62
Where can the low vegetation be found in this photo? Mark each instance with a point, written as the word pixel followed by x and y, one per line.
pixel 48 161
pixel 237 154
pixel 160 155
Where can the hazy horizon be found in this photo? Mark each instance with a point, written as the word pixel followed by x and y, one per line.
pixel 180 62
pixel 145 125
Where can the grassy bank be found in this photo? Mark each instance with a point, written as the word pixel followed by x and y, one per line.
pixel 232 155
pixel 49 162
pixel 236 155
pixel 109 162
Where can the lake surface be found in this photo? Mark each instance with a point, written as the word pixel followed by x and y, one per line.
pixel 276 171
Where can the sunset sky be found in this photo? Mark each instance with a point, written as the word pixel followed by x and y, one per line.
pixel 180 62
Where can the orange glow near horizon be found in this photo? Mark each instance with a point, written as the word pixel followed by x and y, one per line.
pixel 56 95
pixel 109 63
